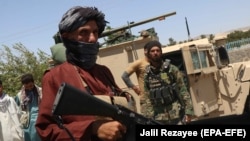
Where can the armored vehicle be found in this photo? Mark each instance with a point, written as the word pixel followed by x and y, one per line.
pixel 217 87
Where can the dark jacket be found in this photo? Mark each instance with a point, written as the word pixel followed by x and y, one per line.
pixel 97 78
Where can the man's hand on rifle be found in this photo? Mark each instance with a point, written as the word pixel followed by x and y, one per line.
pixel 188 118
pixel 108 130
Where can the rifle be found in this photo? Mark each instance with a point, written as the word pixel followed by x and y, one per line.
pixel 72 101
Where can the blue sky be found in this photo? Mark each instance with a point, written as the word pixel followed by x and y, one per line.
pixel 33 23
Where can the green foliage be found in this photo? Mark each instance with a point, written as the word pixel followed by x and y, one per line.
pixel 18 60
pixel 203 36
pixel 238 35
pixel 211 37
pixel 171 42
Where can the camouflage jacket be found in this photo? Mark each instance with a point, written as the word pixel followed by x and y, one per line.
pixel 169 75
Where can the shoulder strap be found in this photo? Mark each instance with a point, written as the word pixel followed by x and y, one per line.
pixel 166 68
pixel 83 82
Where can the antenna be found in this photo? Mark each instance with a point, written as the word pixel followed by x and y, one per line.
pixel 189 38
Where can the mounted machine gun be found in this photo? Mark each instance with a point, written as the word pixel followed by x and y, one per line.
pixel 120 34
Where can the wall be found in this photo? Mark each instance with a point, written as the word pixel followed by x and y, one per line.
pixel 239 54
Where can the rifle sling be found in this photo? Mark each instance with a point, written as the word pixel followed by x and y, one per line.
pixel 109 99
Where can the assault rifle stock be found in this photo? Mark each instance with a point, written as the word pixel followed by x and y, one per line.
pixel 72 101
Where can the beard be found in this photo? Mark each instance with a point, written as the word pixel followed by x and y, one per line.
pixel 155 59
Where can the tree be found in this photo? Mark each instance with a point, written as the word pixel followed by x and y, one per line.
pixel 18 60
pixel 171 42
pixel 238 35
pixel 203 36
pixel 211 37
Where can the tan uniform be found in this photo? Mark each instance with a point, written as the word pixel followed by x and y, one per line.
pixel 138 67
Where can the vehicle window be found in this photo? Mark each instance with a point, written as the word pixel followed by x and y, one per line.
pixel 199 59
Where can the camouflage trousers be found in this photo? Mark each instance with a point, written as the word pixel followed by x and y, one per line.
pixel 167 114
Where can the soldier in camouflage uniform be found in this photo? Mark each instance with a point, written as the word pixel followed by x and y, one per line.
pixel 166 98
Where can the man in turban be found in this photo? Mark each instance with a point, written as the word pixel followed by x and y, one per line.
pixel 79 29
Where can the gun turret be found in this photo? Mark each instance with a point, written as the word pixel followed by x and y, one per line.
pixel 161 17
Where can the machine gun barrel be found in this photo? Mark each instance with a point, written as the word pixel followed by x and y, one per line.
pixel 109 32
